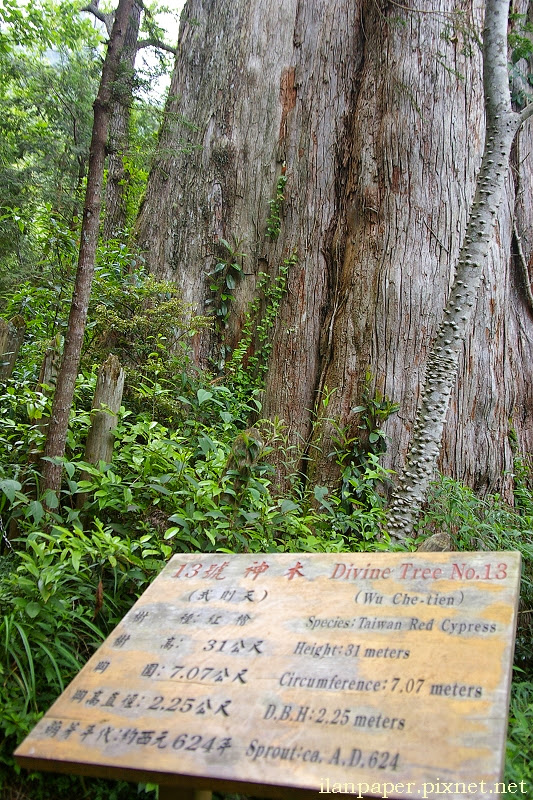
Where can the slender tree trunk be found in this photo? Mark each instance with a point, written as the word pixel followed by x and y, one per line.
pixel 118 143
pixel 50 365
pixel 376 111
pixel 66 379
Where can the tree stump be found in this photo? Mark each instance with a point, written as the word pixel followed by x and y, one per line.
pixel 50 366
pixel 106 405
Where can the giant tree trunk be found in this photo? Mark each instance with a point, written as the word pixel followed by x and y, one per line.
pixel 377 113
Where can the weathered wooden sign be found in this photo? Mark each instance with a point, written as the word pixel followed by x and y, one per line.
pixel 382 675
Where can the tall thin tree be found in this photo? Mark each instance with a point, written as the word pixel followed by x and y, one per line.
pixel 66 379
pixel 118 175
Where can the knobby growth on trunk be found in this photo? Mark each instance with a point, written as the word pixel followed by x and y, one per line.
pixel 66 378
pixel 502 124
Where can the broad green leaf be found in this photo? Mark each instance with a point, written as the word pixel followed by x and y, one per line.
pixel 158 488
pixel 50 499
pixel 171 532
pixel 36 510
pixel 203 396
pixel 9 487
pixel 287 506
pixel 32 609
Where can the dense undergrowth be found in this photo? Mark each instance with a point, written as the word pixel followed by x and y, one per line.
pixel 188 473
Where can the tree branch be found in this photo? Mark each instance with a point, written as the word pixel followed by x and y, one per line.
pixel 158 44
pixel 107 19
pixel 526 113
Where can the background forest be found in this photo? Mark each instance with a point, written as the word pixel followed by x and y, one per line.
pixel 208 453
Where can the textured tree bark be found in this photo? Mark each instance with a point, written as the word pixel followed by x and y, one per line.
pixel 263 84
pixel 377 112
pixel 66 378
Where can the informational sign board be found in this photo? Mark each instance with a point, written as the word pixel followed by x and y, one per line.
pixel 383 675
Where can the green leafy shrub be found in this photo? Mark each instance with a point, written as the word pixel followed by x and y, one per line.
pixel 61 594
pixel 519 761
pixel 488 523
